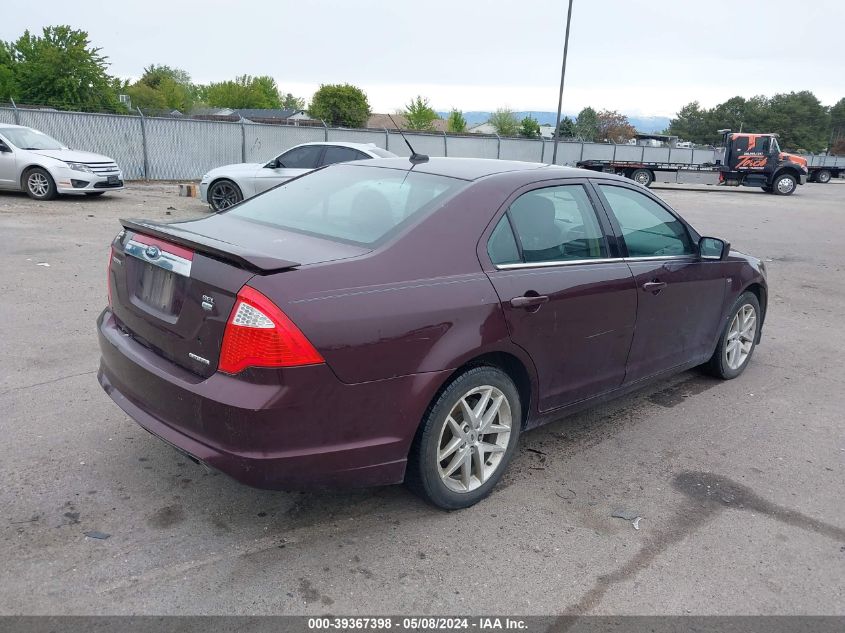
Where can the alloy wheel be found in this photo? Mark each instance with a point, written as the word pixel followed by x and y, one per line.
pixel 741 334
pixel 474 438
pixel 224 195
pixel 786 185
pixel 38 184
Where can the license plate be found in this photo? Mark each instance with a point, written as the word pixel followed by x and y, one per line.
pixel 157 288
pixel 112 180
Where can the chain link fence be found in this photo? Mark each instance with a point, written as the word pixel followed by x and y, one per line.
pixel 155 148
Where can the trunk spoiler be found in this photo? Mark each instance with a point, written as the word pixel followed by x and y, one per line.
pixel 260 263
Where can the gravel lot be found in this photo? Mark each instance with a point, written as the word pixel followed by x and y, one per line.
pixel 771 446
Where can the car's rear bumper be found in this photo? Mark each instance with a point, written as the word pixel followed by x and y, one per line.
pixel 284 429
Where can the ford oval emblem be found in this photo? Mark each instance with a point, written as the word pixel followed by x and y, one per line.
pixel 152 252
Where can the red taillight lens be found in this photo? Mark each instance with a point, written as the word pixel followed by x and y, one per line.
pixel 259 334
pixel 108 273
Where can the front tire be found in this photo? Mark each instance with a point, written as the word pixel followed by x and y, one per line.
pixel 39 184
pixel 643 177
pixel 738 340
pixel 785 185
pixel 466 439
pixel 223 194
pixel 823 176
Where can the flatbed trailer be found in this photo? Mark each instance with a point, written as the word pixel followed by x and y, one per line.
pixel 751 160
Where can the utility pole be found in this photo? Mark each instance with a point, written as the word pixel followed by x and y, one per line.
pixel 562 77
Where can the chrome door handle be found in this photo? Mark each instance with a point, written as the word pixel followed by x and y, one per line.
pixel 530 301
pixel 654 286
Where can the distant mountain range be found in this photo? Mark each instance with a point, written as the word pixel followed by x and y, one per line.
pixel 644 124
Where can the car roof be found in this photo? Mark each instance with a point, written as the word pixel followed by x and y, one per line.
pixel 6 126
pixel 362 146
pixel 475 168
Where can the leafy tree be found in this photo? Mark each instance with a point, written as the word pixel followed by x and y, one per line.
pixel 419 115
pixel 145 97
pixel 504 122
pixel 837 125
pixel 587 125
pixel 614 127
pixel 244 91
pixel 59 68
pixel 163 88
pixel 456 123
pixel 566 128
pixel 341 105
pixel 691 124
pixel 7 73
pixel 529 127
pixel 289 102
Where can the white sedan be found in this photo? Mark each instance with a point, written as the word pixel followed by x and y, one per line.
pixel 43 167
pixel 224 186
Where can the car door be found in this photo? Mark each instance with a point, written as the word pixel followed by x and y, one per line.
pixel 292 163
pixel 340 154
pixel 8 166
pixel 569 300
pixel 679 295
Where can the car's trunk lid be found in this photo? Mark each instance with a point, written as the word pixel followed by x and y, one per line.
pixel 173 286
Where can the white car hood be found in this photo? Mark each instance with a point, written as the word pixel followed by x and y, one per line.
pixel 237 169
pixel 73 156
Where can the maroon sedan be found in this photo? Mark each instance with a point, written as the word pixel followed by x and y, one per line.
pixel 380 322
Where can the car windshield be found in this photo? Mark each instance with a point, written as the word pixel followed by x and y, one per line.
pixel 28 138
pixel 348 203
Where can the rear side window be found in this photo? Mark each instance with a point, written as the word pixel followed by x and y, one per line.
pixel 557 224
pixel 502 245
pixel 336 154
pixel 304 157
pixel 349 203
pixel 648 229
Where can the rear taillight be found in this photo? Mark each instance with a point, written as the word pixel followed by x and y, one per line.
pixel 259 334
pixel 108 273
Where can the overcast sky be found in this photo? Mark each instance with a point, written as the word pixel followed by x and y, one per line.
pixel 639 57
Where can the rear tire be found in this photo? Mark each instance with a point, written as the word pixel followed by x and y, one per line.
pixel 453 463
pixel 39 184
pixel 823 176
pixel 643 177
pixel 738 340
pixel 223 194
pixel 784 185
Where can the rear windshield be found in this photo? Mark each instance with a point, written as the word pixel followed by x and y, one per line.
pixel 348 203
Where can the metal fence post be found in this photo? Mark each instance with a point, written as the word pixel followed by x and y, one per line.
pixel 542 150
pixel 243 141
pixel 325 131
pixel 144 144
pixel 498 146
pixel 445 144
pixel 582 152
pixel 386 139
pixel 17 114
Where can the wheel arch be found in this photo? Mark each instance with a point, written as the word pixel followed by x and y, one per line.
pixel 786 169
pixel 25 171
pixel 759 291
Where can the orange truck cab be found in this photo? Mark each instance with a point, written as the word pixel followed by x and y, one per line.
pixel 756 160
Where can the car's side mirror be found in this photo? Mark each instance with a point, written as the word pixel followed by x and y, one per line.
pixel 4 149
pixel 278 164
pixel 713 248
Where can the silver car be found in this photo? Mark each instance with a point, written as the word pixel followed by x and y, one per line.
pixel 43 167
pixel 224 186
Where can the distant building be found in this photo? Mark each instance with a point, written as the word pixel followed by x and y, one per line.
pixel 271 116
pixel 482 128
pixel 383 122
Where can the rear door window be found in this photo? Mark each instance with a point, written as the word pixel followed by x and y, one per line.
pixel 305 157
pixel 337 154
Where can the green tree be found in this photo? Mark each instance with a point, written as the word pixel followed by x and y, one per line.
pixel 566 128
pixel 145 97
pixel 691 124
pixel 289 102
pixel 587 125
pixel 837 125
pixel 504 122
pixel 614 127
pixel 456 123
pixel 800 119
pixel 341 105
pixel 419 115
pixel 7 73
pixel 61 69
pixel 163 88
pixel 244 91
pixel 529 127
